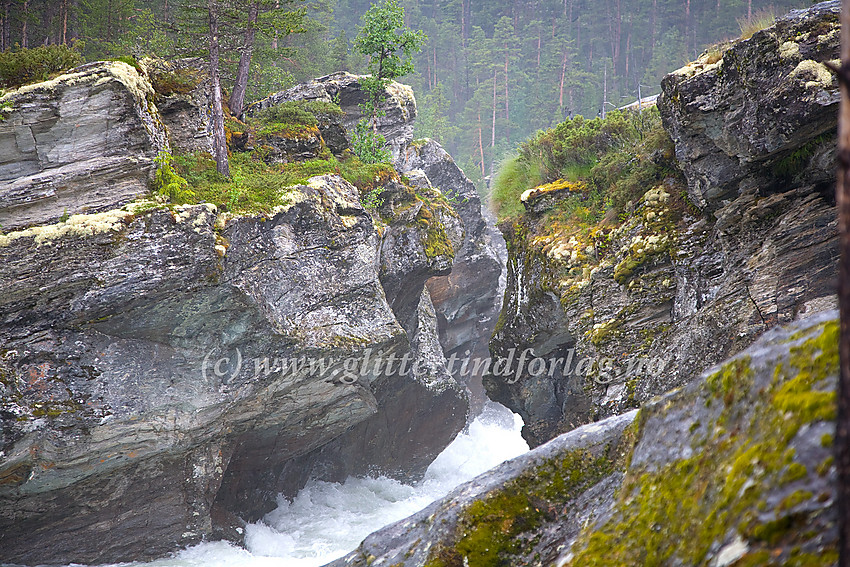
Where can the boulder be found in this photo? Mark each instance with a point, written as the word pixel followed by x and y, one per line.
pixel 760 116
pixel 84 141
pixel 120 383
pixel 735 467
pixel 468 299
pixel 397 109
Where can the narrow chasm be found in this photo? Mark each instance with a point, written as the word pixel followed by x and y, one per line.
pixel 251 329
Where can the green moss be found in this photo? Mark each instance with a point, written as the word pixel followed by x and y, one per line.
pixel 825 466
pixel 283 130
pixel 182 81
pixel 676 514
pixel 793 500
pixel 797 161
pixel 796 471
pixel 257 187
pixel 436 242
pixel 826 440
pixel 494 530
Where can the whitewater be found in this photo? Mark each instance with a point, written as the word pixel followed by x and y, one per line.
pixel 326 520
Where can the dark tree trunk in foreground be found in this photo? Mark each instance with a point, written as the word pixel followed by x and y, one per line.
pixel 219 139
pixel 842 437
pixel 237 97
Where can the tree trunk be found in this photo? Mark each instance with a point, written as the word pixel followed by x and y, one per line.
pixel 4 29
pixel 618 38
pixel 64 22
pixel 539 44
pixel 493 131
pixel 653 30
pixel 219 139
pixel 842 432
pixel 481 145
pixel 563 77
pixel 507 99
pixel 237 97
pixel 274 39
pixel 109 20
pixel 26 17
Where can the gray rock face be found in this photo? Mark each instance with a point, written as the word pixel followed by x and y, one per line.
pixel 165 373
pixel 675 292
pixel 184 101
pixel 469 298
pixel 759 110
pixel 398 106
pixel 735 466
pixel 419 406
pixel 84 141
pixel 125 373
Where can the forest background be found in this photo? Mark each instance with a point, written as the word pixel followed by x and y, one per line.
pixel 489 75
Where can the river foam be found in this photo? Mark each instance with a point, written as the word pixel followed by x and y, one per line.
pixel 327 520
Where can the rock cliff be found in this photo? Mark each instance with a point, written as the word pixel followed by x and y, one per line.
pixel 675 286
pixel 167 370
pixel 734 468
pixel 82 142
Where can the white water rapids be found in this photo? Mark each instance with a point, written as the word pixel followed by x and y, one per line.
pixel 327 520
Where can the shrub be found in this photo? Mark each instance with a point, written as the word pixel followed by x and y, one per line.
pixel 182 81
pixel 294 117
pixel 292 112
pixel 761 19
pixel 21 66
pixel 368 144
pixel 618 159
pixel 168 182
pixel 515 175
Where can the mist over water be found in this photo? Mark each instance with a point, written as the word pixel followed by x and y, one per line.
pixel 327 520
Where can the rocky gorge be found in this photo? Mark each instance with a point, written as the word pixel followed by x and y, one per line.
pixel 151 385
pixel 151 393
pixel 737 235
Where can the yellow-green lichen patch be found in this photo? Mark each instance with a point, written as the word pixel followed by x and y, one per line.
pixel 493 530
pixel 603 332
pixel 789 50
pixel 557 185
pixel 653 234
pixel 678 513
pixel 80 226
pixel 813 73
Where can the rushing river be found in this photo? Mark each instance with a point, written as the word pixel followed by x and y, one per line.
pixel 327 520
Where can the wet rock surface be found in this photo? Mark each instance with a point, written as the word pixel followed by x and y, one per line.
pixel 82 142
pixel 166 371
pixel 464 318
pixel 679 287
pixel 747 120
pixel 737 465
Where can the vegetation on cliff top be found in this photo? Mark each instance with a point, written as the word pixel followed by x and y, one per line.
pixel 615 160
pixel 489 75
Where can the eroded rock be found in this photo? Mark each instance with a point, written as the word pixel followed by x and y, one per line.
pixel 82 142
pixel 737 465
pixel 673 289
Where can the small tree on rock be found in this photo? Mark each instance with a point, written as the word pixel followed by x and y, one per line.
pixel 387 41
pixel 390 46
